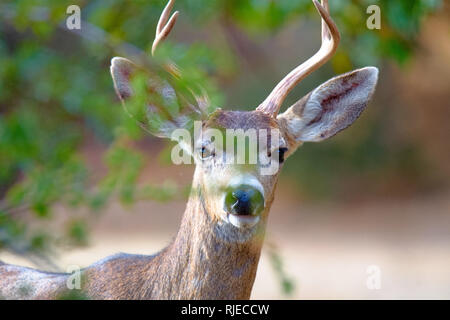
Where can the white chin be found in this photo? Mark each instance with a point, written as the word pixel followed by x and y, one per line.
pixel 243 221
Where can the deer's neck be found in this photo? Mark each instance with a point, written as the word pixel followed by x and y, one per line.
pixel 199 264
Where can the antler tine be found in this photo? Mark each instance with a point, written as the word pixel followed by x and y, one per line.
pixel 330 40
pixel 165 25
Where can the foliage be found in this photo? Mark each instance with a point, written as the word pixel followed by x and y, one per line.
pixel 287 284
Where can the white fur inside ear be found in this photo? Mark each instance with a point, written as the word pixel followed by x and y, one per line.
pixel 336 104
pixel 296 124
pixel 121 70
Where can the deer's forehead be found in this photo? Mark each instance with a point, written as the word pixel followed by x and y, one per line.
pixel 244 120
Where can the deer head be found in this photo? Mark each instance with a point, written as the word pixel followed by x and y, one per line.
pixel 237 196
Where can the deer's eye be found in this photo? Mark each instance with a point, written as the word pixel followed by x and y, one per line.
pixel 205 153
pixel 281 153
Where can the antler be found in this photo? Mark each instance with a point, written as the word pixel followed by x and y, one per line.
pixel 163 28
pixel 330 41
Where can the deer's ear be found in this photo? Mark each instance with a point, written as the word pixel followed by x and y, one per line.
pixel 121 71
pixel 156 99
pixel 331 107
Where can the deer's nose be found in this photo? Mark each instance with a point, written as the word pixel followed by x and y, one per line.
pixel 244 200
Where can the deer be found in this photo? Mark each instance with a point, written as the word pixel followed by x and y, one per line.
pixel 216 251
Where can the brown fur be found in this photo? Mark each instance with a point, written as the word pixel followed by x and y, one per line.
pixel 241 120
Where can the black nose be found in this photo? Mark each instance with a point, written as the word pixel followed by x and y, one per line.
pixel 244 200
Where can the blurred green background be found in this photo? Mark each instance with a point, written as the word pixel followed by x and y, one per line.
pixel 59 113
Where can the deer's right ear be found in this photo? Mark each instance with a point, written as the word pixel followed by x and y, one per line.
pixel 149 97
pixel 331 107
pixel 121 72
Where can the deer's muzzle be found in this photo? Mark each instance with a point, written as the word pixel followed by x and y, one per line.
pixel 244 200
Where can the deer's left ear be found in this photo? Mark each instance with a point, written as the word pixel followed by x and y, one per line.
pixel 331 107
